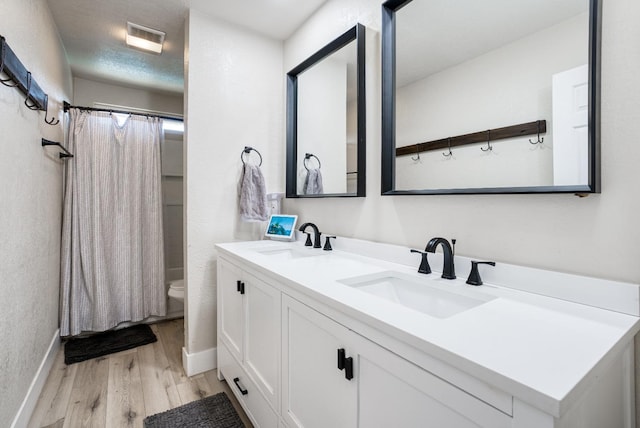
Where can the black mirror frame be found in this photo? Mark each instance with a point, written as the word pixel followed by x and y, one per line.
pixel 389 9
pixel 356 33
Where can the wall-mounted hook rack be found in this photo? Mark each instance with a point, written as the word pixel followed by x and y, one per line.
pixel 64 154
pixel 19 77
pixel 514 131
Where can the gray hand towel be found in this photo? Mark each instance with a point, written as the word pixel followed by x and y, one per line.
pixel 313 182
pixel 253 195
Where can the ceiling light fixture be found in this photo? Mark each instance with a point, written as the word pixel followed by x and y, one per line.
pixel 145 38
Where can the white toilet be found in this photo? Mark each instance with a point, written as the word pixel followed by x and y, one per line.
pixel 176 289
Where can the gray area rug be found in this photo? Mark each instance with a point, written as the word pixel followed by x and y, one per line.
pixel 215 411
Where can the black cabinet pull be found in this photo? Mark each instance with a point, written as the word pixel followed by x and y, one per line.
pixel 240 287
pixel 348 368
pixel 242 390
pixel 341 357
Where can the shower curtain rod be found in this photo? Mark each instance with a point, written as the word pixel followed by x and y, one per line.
pixel 67 106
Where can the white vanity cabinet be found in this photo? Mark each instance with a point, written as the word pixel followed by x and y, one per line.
pixel 374 387
pixel 301 349
pixel 249 340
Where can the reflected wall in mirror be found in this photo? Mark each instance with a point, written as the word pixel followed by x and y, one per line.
pixel 326 121
pixel 490 97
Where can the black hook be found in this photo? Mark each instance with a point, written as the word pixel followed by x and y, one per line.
pixel 446 155
pixel 247 150
pixel 308 156
pixel 53 121
pixel 416 159
pixel 540 140
pixel 4 53
pixel 489 146
pixel 30 106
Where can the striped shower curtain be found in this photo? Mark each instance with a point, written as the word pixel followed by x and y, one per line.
pixel 112 242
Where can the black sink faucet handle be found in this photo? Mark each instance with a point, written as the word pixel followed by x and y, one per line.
pixel 424 263
pixel 327 243
pixel 308 242
pixel 474 275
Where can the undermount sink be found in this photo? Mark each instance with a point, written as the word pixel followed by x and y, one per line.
pixel 291 253
pixel 416 293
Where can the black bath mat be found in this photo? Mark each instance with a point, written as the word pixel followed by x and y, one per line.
pixel 76 350
pixel 215 411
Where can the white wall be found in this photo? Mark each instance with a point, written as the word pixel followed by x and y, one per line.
pixel 31 195
pixel 594 236
pixel 86 92
pixel 234 98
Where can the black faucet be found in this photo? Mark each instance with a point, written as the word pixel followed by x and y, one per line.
pixel 316 237
pixel 448 270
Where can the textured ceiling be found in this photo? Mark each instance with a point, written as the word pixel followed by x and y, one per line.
pixel 93 31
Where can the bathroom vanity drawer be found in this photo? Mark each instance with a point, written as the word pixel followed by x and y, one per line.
pixel 245 390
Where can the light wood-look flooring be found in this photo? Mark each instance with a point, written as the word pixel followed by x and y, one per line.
pixel 120 390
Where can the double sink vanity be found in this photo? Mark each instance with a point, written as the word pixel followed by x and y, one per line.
pixel 356 337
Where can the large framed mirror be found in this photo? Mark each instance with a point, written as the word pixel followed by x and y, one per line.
pixel 326 118
pixel 494 96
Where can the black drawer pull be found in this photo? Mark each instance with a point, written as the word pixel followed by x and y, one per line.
pixel 238 282
pixel 242 288
pixel 341 357
pixel 348 368
pixel 242 390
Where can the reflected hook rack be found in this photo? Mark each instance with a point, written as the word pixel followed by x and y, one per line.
pixel 507 132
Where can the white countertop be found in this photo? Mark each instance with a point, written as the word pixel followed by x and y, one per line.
pixel 541 349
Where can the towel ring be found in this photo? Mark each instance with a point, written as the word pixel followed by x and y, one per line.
pixel 248 150
pixel 307 156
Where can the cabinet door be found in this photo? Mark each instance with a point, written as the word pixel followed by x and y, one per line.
pixel 262 336
pixel 395 393
pixel 315 393
pixel 230 319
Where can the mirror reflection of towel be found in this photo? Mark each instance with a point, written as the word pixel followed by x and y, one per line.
pixel 253 195
pixel 313 182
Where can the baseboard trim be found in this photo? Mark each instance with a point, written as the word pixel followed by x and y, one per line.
pixel 199 362
pixel 33 393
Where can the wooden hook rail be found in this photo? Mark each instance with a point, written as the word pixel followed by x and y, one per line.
pixel 513 131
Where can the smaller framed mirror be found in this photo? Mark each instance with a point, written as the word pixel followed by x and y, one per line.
pixel 326 118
